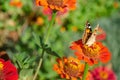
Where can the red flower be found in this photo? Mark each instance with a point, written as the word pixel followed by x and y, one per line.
pixel 103 73
pixel 7 70
pixel 91 54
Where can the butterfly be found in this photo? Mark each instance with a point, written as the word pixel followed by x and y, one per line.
pixel 89 36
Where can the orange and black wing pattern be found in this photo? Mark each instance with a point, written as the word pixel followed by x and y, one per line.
pixel 87 33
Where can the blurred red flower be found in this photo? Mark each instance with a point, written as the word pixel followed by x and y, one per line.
pixel 91 54
pixel 103 73
pixel 7 70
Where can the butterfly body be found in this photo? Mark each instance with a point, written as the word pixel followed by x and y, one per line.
pixel 89 36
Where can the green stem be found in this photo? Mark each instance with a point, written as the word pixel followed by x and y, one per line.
pixel 85 71
pixel 46 39
pixel 50 27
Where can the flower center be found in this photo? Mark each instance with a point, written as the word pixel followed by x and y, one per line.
pixel 1 73
pixel 104 75
pixel 58 3
pixel 72 69
pixel 1 66
pixel 91 51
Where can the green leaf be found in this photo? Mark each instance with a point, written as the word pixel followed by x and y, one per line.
pixel 23 60
pixel 37 39
pixel 41 42
pixel 49 51
pixel 26 74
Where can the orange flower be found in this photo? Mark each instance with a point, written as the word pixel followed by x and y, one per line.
pixel 74 28
pixel 70 68
pixel 63 29
pixel 57 4
pixel 91 54
pixel 16 3
pixel 40 21
pixel 115 4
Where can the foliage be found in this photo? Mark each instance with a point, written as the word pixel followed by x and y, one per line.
pixel 17 25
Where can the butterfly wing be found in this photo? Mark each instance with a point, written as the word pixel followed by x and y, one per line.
pixel 87 33
pixel 101 35
pixel 92 38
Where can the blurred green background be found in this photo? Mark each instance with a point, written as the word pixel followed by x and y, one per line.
pixel 17 24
